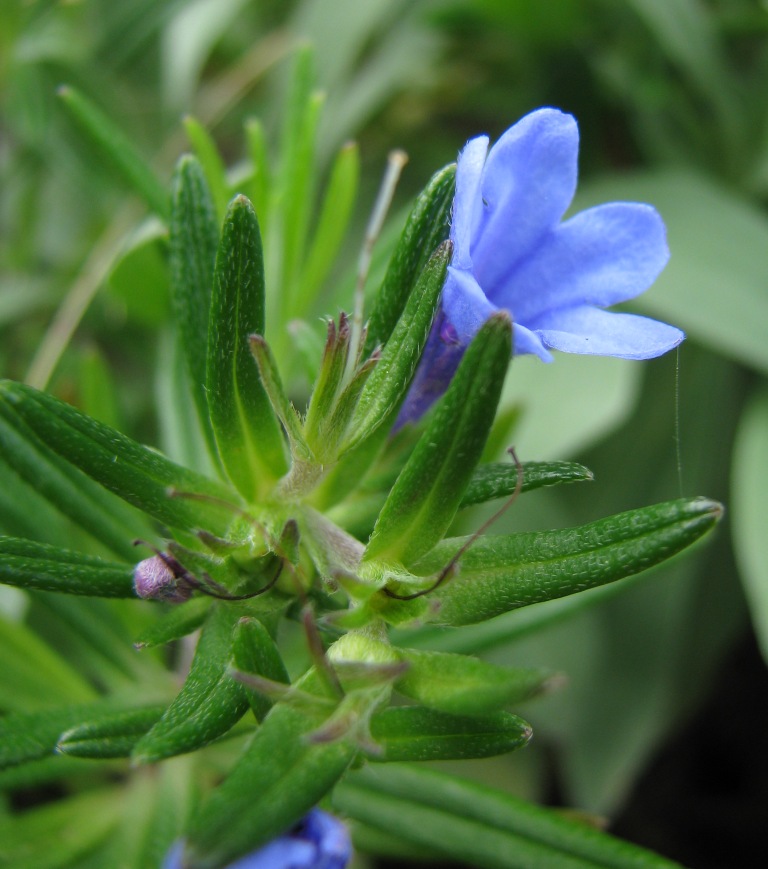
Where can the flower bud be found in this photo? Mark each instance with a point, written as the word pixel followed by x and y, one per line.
pixel 155 579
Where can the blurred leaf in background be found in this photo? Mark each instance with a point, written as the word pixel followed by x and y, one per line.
pixel 670 98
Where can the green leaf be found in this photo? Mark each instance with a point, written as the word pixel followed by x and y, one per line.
pixel 281 404
pixel 97 641
pixel 54 836
pixel 459 819
pixel 414 733
pixel 194 239
pixel 178 622
pixel 209 703
pixel 64 486
pixel 25 512
pixel 750 503
pixel 254 651
pixel 388 383
pixel 181 435
pixel 27 564
pixel 465 686
pixel 427 227
pixel 117 148
pixel 280 776
pixel 155 807
pixel 499 479
pixel 34 676
pixel 500 573
pixel 210 160
pixel 25 737
pixel 295 181
pixel 258 187
pixel 326 387
pixel 428 491
pixel 247 433
pixel 332 223
pixel 137 474
pixel 112 734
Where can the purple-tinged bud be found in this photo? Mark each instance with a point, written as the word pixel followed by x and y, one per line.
pixel 155 579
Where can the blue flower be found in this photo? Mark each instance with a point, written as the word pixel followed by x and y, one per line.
pixel 320 841
pixel 512 250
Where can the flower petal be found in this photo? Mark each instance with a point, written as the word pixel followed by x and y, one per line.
pixel 528 183
pixel 595 332
pixel 602 256
pixel 465 304
pixel 282 853
pixel 331 837
pixel 525 341
pixel 467 198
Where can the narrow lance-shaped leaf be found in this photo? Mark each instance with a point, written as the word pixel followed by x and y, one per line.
pixel 490 481
pixel 137 474
pixel 388 383
pixel 113 733
pixel 247 432
pixel 258 187
pixel 498 479
pixel 295 181
pixel 427 226
pixel 413 733
pixel 28 564
pixel 209 703
pixel 281 404
pixel 210 160
pixel 62 485
pixel 117 148
pixel 428 491
pixel 280 776
pixel 254 651
pixel 194 239
pixel 501 573
pixel 464 820
pixel 336 210
pixel 176 623
pixel 34 676
pixel 25 737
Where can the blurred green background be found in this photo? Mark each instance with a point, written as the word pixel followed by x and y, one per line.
pixel 662 725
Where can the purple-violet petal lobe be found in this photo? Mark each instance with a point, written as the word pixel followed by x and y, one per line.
pixel 528 183
pixel 600 333
pixel 602 256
